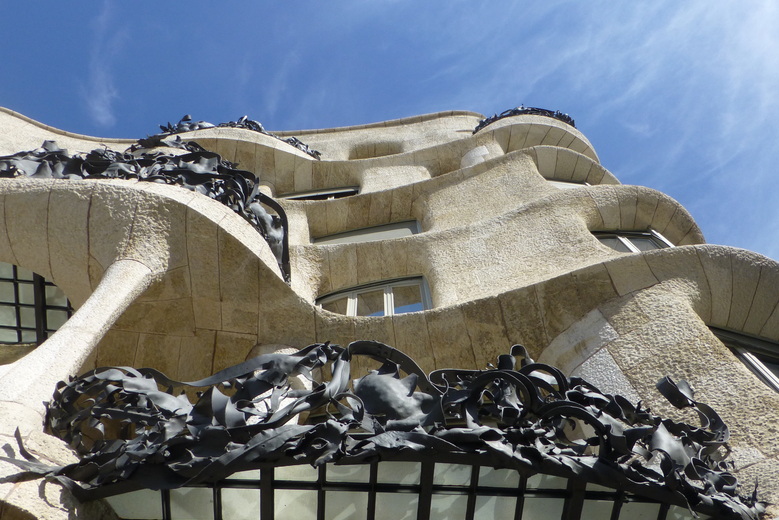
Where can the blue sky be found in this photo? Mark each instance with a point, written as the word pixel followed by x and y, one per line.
pixel 680 97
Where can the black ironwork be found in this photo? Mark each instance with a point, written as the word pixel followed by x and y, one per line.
pixel 522 110
pixel 132 435
pixel 187 125
pixel 199 170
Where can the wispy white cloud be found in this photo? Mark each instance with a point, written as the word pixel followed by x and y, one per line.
pixel 100 92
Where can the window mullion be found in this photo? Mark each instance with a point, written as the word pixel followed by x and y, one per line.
pixel 351 304
pixel 628 244
pixel 389 301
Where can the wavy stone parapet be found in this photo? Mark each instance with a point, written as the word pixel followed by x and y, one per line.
pixel 509 258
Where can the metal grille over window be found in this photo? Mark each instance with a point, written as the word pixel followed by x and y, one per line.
pixel 632 241
pixel 380 299
pixel 391 490
pixel 31 307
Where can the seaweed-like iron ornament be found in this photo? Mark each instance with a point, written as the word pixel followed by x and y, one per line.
pixel 187 125
pixel 523 110
pixel 199 170
pixel 134 432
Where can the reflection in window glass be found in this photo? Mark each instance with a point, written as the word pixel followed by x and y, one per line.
pixel 491 477
pixel 192 504
pixel 448 507
pixel 408 299
pixel 537 508
pixel 295 504
pixel 55 296
pixel 338 305
pixel 489 508
pixel 240 504
pixel 396 506
pixel 7 292
pixel 370 303
pixel 380 299
pixel 632 241
pixel 346 505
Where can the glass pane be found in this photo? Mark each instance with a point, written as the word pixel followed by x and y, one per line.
pixel 396 506
pixel 566 185
pixel 28 317
pixel 295 504
pixel 399 472
pixel 302 472
pixel 680 513
pixel 26 294
pixel 544 508
pixel 407 299
pixel 598 509
pixel 29 336
pixel 23 274
pixel 138 504
pixel 7 315
pixel 346 505
pixel 598 487
pixel 491 477
pixel 337 305
pixel 448 507
pixel 371 303
pixel 355 473
pixel 56 296
pixel 452 475
pixel 192 504
pixel 8 336
pixel 240 504
pixel 640 511
pixel 7 292
pixel 387 231
pixel 489 508
pixel 539 481
pixel 55 319
pixel 252 474
pixel 6 270
pixel 644 243
pixel 615 244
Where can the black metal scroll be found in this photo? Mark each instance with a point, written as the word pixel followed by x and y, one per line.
pixel 187 125
pixel 199 170
pixel 133 431
pixel 523 110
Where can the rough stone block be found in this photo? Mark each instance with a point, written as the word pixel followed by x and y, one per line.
pixel 117 348
pixel 449 338
pixel 522 316
pixel 160 351
pixel 630 272
pixel 486 329
pixel 231 348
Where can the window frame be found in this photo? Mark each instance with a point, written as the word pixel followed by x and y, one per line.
pixel 625 236
pixel 352 293
pixel 360 235
pixel 749 349
pixel 324 194
pixel 40 307
pixel 571 185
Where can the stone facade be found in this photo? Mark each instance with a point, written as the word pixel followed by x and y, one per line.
pixel 167 278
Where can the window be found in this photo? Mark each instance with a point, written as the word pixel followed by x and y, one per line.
pixel 391 490
pixel 328 194
pixel 759 355
pixel 369 234
pixel 632 241
pixel 567 185
pixel 380 299
pixel 31 307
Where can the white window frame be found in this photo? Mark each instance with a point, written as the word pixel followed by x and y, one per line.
pixel 389 296
pixel 624 238
pixel 328 193
pixel 745 347
pixel 370 234
pixel 567 185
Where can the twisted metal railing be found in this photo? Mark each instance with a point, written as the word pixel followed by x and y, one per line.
pixel 199 170
pixel 523 110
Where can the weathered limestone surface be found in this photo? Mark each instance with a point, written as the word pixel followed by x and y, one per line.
pixel 167 278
